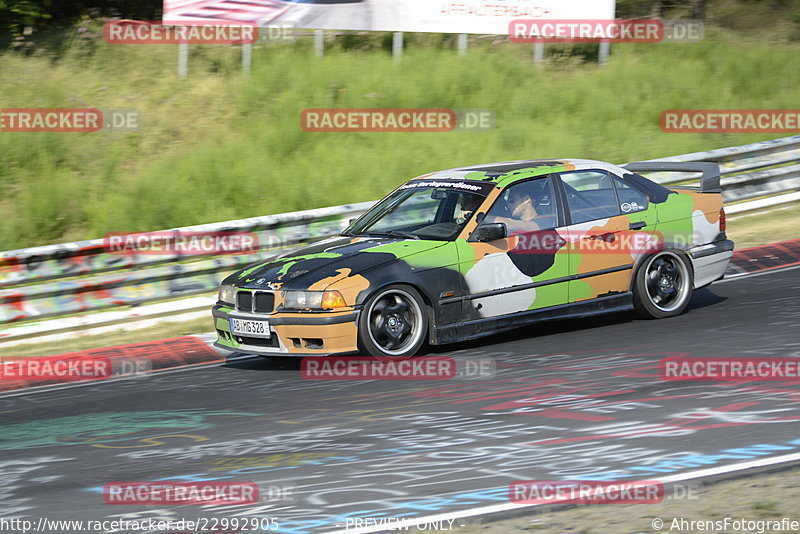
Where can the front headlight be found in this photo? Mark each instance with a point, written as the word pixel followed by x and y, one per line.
pixel 313 300
pixel 227 295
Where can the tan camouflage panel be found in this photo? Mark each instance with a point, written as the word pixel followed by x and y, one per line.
pixel 336 338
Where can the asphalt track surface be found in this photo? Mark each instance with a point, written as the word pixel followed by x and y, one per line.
pixel 578 399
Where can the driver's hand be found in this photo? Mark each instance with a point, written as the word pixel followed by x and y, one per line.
pixel 519 210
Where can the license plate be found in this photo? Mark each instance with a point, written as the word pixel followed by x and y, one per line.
pixel 244 327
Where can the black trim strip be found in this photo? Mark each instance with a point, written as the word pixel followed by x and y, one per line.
pixel 269 352
pixel 492 325
pixel 534 285
pixel 320 319
pixel 657 193
pixel 315 321
pixel 718 248
pixel 709 182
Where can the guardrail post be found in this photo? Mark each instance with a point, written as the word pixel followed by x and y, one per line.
pixel 183 59
pixel 247 57
pixel 319 42
pixel 538 53
pixel 605 51
pixel 397 45
pixel 463 44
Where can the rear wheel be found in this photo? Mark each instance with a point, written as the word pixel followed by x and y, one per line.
pixel 663 285
pixel 393 323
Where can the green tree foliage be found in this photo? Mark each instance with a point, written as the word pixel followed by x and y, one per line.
pixel 15 15
pixel 694 9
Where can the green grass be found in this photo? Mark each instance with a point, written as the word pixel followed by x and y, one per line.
pixel 166 330
pixel 759 228
pixel 221 145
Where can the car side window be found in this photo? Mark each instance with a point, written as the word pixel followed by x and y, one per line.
pixel 631 199
pixel 525 207
pixel 590 195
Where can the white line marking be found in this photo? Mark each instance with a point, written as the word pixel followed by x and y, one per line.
pixel 485 510
pixel 733 277
pixel 184 368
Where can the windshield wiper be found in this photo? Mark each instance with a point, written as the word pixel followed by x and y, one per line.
pixel 395 233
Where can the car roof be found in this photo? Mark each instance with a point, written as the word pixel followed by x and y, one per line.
pixel 510 166
pixel 506 173
pixel 503 172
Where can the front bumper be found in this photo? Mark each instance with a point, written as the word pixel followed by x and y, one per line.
pixel 710 261
pixel 292 334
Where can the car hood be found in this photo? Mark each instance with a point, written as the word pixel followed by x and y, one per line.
pixel 325 262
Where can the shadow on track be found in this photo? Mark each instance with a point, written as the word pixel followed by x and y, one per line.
pixel 702 298
pixel 260 363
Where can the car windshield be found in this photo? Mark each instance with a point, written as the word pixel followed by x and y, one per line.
pixel 436 210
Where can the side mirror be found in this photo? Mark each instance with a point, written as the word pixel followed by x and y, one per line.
pixel 491 232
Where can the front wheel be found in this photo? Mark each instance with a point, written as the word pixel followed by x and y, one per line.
pixel 663 285
pixel 393 323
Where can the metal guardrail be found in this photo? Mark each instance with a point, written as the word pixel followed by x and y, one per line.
pixel 69 278
pixel 67 260
pixel 57 280
pixel 750 171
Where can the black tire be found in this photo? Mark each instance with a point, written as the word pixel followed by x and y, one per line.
pixel 393 323
pixel 663 285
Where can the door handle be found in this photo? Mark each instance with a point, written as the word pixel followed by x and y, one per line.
pixel 608 237
pixel 637 225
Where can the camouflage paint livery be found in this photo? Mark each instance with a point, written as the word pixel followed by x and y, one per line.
pixel 471 288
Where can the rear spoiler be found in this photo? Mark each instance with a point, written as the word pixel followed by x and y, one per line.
pixel 709 182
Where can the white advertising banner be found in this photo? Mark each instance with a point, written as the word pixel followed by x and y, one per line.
pixel 439 16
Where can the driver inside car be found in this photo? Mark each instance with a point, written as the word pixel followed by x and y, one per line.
pixel 523 214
